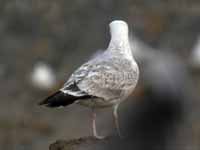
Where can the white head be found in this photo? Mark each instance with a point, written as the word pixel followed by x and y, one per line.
pixel 119 37
pixel 119 29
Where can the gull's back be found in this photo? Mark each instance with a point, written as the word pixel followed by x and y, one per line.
pixel 109 76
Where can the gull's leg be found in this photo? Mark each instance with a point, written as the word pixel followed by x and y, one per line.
pixel 94 130
pixel 116 119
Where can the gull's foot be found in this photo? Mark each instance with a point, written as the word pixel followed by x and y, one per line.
pixel 98 137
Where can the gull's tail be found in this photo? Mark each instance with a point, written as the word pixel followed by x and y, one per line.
pixel 61 99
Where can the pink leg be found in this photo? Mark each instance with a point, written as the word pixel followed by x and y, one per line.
pixel 94 130
pixel 116 120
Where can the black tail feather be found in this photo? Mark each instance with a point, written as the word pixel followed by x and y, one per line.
pixel 61 99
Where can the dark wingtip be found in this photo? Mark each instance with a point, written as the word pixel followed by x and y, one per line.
pixel 57 99
pixel 61 99
pixel 48 99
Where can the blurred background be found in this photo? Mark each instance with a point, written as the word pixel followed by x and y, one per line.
pixel 42 42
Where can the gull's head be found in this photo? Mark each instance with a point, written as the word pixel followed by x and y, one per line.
pixel 119 38
pixel 118 28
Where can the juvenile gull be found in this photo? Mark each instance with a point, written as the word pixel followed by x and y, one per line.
pixel 104 81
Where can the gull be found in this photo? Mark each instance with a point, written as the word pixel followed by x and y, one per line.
pixel 43 76
pixel 104 81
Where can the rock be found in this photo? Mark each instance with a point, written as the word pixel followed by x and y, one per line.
pixel 83 143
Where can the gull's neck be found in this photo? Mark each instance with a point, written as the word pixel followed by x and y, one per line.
pixel 119 42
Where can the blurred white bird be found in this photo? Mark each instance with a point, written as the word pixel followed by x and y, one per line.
pixel 162 69
pixel 167 74
pixel 43 76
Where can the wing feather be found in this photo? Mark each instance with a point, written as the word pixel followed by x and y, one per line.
pixel 105 78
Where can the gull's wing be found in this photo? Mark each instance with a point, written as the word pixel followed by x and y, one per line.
pixel 105 78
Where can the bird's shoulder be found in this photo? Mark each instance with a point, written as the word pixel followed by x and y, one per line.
pixel 106 64
pixel 71 86
pixel 105 76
